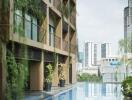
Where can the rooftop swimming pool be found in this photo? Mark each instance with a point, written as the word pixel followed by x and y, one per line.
pixel 90 91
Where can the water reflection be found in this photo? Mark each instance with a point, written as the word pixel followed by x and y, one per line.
pixel 91 91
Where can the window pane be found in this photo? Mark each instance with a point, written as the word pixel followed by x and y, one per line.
pixel 27 26
pixel 34 29
pixel 51 35
pixel 18 22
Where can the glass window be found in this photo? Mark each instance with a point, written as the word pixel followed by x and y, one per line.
pixel 18 28
pixel 51 35
pixel 27 26
pixel 34 29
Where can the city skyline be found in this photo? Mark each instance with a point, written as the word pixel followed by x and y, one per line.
pixel 100 25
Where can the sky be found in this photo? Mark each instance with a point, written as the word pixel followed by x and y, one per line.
pixel 100 21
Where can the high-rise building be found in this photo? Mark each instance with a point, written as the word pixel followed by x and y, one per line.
pixel 48 37
pixel 86 54
pixel 105 50
pixel 126 21
pixel 95 54
pixel 90 54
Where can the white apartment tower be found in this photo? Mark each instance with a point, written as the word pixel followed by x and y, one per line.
pixel 90 54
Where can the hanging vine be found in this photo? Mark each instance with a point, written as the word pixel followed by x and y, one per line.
pixel 18 70
pixel 15 71
pixel 31 6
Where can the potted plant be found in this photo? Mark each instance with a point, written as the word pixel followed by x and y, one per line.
pixel 61 75
pixel 48 78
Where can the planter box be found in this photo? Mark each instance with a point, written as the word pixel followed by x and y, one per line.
pixel 47 86
pixel 62 83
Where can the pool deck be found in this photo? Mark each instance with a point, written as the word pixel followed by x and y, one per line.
pixel 41 95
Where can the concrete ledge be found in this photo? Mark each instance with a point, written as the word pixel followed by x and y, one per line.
pixel 37 95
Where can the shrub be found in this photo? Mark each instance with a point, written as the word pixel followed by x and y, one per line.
pixel 127 87
pixel 88 77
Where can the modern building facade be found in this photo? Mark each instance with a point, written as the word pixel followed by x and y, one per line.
pixel 86 54
pixel 90 54
pixel 54 34
pixel 105 50
pixel 128 23
pixel 95 54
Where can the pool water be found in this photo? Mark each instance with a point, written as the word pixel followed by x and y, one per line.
pixel 90 91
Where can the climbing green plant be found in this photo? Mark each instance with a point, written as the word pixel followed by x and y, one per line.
pixel 16 77
pixel 33 6
pixel 55 21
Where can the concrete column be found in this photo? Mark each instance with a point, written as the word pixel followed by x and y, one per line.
pixel 59 32
pixel 74 78
pixel 66 68
pixel 4 37
pixel 2 69
pixel 36 75
pixel 55 80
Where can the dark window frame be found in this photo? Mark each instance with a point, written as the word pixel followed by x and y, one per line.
pixel 23 23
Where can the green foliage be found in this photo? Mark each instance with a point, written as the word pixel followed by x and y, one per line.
pixel 61 72
pixel 64 10
pixel 124 44
pixel 16 77
pixel 88 77
pixel 127 87
pixel 33 6
pixel 49 73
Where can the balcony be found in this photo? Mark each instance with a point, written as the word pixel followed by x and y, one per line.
pixel 57 42
pixel 65 45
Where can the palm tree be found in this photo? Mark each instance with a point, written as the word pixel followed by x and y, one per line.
pixel 125 48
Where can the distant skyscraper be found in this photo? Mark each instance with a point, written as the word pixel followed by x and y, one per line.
pixel 86 53
pixel 90 54
pixel 128 22
pixel 105 50
pixel 95 54
pixel 81 57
